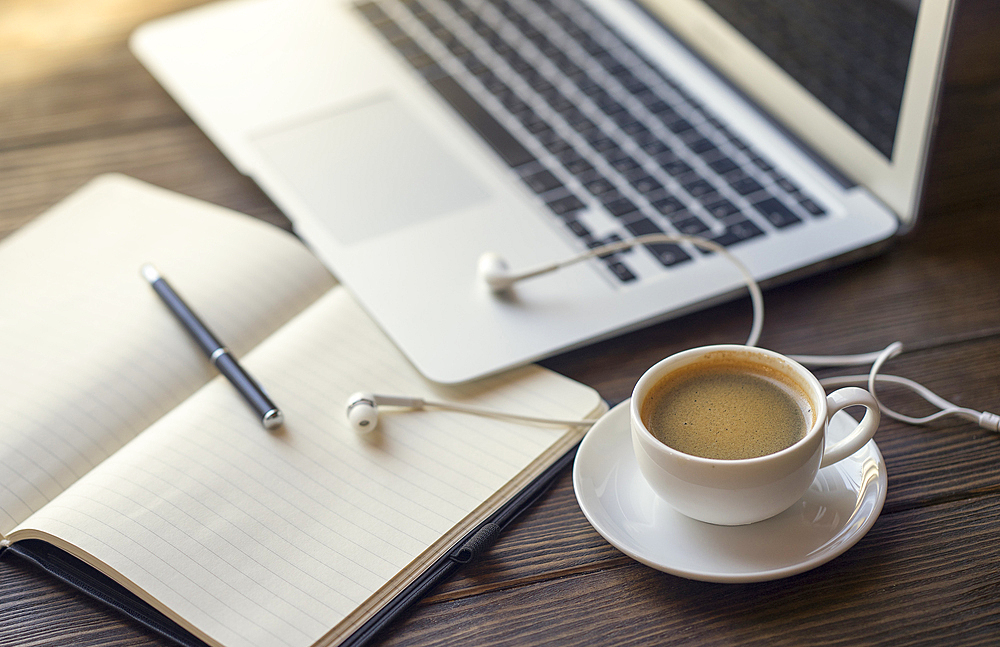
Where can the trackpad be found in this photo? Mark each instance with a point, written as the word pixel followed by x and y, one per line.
pixel 369 169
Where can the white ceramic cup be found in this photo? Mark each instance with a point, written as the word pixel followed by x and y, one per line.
pixel 742 491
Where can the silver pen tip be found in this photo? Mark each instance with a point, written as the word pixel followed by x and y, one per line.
pixel 149 273
pixel 273 419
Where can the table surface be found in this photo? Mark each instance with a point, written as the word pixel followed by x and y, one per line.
pixel 75 103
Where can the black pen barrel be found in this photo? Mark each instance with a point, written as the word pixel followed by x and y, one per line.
pixel 195 327
pixel 252 392
pixel 268 414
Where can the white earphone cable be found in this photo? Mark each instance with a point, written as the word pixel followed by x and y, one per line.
pixel 362 407
pixel 984 419
pixel 756 297
pixel 489 413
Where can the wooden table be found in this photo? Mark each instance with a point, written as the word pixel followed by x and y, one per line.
pixel 75 103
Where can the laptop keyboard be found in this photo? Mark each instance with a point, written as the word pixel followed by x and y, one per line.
pixel 606 140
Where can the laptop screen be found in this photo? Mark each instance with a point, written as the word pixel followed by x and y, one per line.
pixel 857 81
pixel 850 54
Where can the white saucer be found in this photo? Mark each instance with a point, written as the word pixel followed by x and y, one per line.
pixel 839 508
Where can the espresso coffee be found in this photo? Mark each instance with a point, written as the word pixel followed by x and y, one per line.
pixel 726 408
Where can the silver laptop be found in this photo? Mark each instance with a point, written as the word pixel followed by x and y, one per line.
pixel 405 138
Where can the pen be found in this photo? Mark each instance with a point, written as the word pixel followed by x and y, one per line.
pixel 270 416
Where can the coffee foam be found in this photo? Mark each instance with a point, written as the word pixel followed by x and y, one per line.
pixel 727 407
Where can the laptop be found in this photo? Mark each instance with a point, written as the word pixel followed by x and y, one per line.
pixel 405 138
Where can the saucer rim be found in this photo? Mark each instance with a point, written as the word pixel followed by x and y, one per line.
pixel 854 534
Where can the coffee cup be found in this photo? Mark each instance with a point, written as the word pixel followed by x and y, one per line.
pixel 732 435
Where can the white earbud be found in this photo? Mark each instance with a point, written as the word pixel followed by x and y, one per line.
pixel 362 408
pixel 493 269
pixel 362 411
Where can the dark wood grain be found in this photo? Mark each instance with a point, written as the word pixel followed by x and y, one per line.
pixel 908 581
pixel 74 103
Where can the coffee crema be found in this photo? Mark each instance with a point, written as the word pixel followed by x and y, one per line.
pixel 725 408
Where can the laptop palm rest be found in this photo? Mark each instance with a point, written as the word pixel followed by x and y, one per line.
pixel 369 169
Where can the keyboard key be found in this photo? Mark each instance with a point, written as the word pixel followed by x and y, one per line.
pixel 624 164
pixel 692 226
pixel 566 205
pixel 699 187
pixel 668 254
pixel 607 103
pixel 492 82
pixel 624 119
pixel 542 181
pixel 620 207
pixel 558 101
pixel 746 185
pixel 675 167
pixel 578 228
pixel 679 125
pixel 786 184
pixel 776 213
pixel 632 84
pixel 723 165
pixel 722 209
pixel 567 66
pixel 615 155
pixel 663 111
pixel 654 147
pixel 600 187
pixel 605 146
pixel 613 238
pixel 588 86
pixel 666 156
pixel 621 270
pixel 702 146
pixel 554 143
pixel 643 226
pixel 738 143
pixel 514 104
pixel 473 64
pixel 518 63
pixel 668 205
pixel 737 233
pixel 574 163
pixel 533 123
pixel 584 126
pixel 812 207
pixel 637 130
pixel 613 66
pixel 645 184
pixel 572 115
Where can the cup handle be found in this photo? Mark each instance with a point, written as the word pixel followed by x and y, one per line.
pixel 840 399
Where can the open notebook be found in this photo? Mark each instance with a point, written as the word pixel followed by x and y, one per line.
pixel 125 450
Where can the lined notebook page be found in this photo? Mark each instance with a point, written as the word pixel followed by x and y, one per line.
pixel 253 538
pixel 90 355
